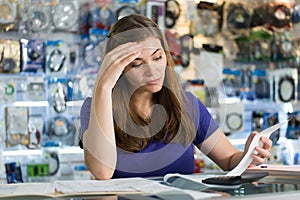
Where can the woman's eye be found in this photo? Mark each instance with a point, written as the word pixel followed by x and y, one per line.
pixel 157 58
pixel 136 65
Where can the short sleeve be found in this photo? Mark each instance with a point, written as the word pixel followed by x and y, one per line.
pixel 203 121
pixel 84 117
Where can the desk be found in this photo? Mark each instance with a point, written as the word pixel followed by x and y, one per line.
pixel 264 189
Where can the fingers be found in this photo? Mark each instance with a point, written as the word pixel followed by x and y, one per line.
pixel 124 50
pixel 115 61
pixel 263 153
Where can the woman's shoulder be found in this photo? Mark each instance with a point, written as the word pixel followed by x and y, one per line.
pixel 86 103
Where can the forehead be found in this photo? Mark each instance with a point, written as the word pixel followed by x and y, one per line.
pixel 151 43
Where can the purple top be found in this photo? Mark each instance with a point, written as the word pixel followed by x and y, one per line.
pixel 159 158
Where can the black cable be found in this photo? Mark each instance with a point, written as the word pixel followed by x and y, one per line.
pixel 286 80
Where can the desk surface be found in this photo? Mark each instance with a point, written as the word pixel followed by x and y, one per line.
pixel 267 188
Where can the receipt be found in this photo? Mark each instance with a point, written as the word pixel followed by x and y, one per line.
pixel 247 159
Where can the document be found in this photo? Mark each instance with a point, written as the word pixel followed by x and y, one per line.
pixel 247 159
pixel 238 170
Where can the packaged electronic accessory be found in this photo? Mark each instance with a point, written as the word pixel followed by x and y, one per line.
pixel 36 90
pixel 33 55
pixel 65 14
pixel 13 172
pixel 237 18
pixel 57 57
pixel 61 129
pixel 231 82
pixel 278 14
pixel 172 11
pixel 7 91
pixel 35 18
pixel 57 95
pixel 16 120
pixel 260 84
pixel 10 56
pixel 8 19
pixel 270 119
pixel 293 128
pixel 283 84
pixel 156 11
pixel 103 16
pixel 126 7
pixel 232 117
pixel 210 17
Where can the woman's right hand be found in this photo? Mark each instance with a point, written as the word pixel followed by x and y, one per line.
pixel 115 61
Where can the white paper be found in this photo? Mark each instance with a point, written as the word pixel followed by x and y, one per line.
pixel 198 179
pixel 27 189
pixel 142 185
pixel 90 186
pixel 247 159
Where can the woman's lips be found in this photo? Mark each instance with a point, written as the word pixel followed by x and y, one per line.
pixel 154 82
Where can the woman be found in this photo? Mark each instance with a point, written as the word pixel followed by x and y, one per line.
pixel 140 122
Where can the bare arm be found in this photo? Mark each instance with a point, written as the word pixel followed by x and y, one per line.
pixel 99 139
pixel 224 154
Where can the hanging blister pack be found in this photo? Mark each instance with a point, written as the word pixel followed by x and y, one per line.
pixel 33 55
pixel 9 13
pixel 35 18
pixel 57 59
pixel 65 15
pixel 10 56
pixel 7 91
pixel 60 130
pixel 16 121
pixel 58 94
pixel 293 128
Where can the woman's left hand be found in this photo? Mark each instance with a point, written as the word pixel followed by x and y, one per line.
pixel 263 152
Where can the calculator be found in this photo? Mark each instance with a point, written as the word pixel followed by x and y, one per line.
pixel 246 177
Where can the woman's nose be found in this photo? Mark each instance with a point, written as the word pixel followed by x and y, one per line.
pixel 149 69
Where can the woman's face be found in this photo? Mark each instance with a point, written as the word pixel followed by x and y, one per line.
pixel 146 73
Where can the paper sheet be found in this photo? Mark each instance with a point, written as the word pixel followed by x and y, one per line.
pixel 198 179
pixel 27 189
pixel 247 159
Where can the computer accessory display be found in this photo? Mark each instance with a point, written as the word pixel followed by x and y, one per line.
pixel 155 10
pixel 7 91
pixel 59 99
pixel 283 84
pixel 286 89
pixel 33 55
pixel 270 119
pixel 172 13
pixel 278 15
pixel 56 60
pixel 296 14
pixel 231 82
pixel 260 84
pixel 293 128
pixel 35 137
pixel 210 18
pixel 103 17
pixel 65 15
pixel 186 43
pixel 8 14
pixel 59 128
pixel 231 117
pixel 238 17
pixel 10 56
pixel 126 10
pixel 38 19
pixel 234 121
pixel 16 121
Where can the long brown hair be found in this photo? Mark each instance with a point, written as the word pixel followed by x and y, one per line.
pixel 133 131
